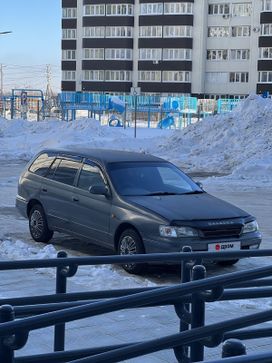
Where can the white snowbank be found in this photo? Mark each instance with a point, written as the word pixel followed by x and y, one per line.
pixel 96 277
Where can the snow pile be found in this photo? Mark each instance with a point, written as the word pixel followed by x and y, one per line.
pixel 108 276
pixel 237 144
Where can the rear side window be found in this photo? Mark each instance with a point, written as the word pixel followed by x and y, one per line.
pixel 66 171
pixel 41 165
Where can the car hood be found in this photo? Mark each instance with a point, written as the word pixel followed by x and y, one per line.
pixel 187 207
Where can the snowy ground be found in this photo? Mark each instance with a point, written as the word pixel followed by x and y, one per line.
pixel 236 146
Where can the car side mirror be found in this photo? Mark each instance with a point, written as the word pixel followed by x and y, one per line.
pixel 199 184
pixel 99 190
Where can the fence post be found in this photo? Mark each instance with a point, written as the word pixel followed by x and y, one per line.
pixel 6 352
pixel 198 314
pixel 61 284
pixel 183 310
pixel 233 348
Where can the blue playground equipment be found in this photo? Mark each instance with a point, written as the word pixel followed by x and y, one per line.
pixel 116 105
pixel 226 104
pixel 167 123
pixel 164 112
pixel 114 121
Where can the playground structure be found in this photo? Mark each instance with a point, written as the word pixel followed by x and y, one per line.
pixel 24 103
pixel 152 110
pixel 115 110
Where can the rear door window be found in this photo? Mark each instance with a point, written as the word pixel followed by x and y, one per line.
pixel 66 171
pixel 41 165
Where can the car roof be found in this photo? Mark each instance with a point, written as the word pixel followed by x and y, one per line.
pixel 105 156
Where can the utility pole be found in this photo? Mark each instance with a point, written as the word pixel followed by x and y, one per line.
pixel 1 74
pixel 1 67
pixel 49 97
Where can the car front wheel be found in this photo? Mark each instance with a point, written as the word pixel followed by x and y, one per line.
pixel 130 243
pixel 38 225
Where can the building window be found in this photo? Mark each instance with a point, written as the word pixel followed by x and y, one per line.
pixel 217 54
pixel 68 54
pixel 149 76
pixel 266 29
pixel 176 54
pixel 94 75
pixel 265 77
pixel 69 13
pixel 178 8
pixel 225 9
pixel 238 77
pixel 242 9
pixel 240 31
pixel 69 75
pixel 68 33
pixel 176 76
pixel 119 32
pixel 266 5
pixel 177 31
pixel 118 54
pixel 151 9
pixel 118 76
pixel 152 31
pixel 151 54
pixel 217 77
pixel 239 54
pixel 218 31
pixel 119 9
pixel 93 53
pixel 265 53
pixel 219 9
pixel 94 32
pixel 94 10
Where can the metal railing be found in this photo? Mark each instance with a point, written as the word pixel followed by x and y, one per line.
pixel 21 315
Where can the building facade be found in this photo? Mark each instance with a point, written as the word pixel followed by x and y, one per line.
pixel 198 47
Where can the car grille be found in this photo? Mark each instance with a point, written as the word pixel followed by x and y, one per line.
pixel 233 231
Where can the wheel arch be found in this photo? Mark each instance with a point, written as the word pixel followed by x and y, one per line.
pixel 121 228
pixel 31 203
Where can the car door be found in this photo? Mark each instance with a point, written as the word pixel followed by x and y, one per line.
pixel 91 211
pixel 57 192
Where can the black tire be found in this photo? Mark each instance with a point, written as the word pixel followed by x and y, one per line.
pixel 38 225
pixel 130 243
pixel 227 262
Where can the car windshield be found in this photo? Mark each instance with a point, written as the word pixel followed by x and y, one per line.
pixel 150 179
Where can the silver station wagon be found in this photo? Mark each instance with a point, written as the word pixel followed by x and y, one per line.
pixel 129 202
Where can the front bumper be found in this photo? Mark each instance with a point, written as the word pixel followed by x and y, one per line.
pixel 21 205
pixel 167 245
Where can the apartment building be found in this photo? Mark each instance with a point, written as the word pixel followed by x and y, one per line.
pixel 198 47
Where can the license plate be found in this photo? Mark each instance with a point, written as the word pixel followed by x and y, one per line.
pixel 224 246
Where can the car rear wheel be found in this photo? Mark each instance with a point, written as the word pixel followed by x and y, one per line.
pixel 228 262
pixel 130 243
pixel 38 225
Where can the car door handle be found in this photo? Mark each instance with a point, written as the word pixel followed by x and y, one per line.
pixel 44 190
pixel 75 199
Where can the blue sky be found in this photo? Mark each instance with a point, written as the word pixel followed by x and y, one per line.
pixel 35 41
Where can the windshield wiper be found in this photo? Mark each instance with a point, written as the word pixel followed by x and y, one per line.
pixel 160 193
pixel 195 192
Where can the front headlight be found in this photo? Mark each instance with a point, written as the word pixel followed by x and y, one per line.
pixel 174 232
pixel 251 227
